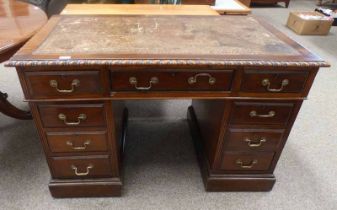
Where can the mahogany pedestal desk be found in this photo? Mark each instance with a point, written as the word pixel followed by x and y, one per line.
pixel 247 81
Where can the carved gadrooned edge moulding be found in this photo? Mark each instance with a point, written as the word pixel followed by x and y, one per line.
pixel 82 62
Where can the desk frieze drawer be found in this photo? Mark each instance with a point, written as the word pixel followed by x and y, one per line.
pixel 253 139
pixel 77 141
pixel 258 161
pixel 81 167
pixel 172 81
pixel 261 113
pixel 72 115
pixel 274 81
pixel 64 84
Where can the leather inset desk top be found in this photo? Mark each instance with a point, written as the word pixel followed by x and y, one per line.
pixel 162 40
pixel 163 36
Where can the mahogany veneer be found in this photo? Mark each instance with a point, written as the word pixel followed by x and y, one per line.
pixel 89 84
pixel 90 141
pixel 174 81
pixel 246 94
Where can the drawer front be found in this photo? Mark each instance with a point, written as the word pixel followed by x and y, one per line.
pixel 174 81
pixel 247 162
pixel 72 115
pixel 81 167
pixel 79 141
pixel 274 82
pixel 267 113
pixel 64 84
pixel 253 139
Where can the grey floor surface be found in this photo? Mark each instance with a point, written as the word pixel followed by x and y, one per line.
pixel 161 170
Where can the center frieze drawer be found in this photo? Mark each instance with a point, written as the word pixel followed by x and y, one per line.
pixel 81 167
pixel 64 84
pixel 219 80
pixel 261 113
pixel 77 141
pixel 72 115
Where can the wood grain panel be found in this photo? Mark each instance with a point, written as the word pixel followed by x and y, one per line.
pixel 257 161
pixel 94 115
pixel 173 81
pixel 89 84
pixel 93 166
pixel 242 113
pixel 253 139
pixel 252 81
pixel 77 141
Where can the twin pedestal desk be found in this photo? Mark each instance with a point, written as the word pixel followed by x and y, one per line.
pixel 246 80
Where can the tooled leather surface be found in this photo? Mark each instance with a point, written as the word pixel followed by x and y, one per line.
pixel 171 36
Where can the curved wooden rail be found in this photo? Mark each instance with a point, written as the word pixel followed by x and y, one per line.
pixel 18 22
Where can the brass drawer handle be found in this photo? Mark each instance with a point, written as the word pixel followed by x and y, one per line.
pixel 252 143
pixel 74 83
pixel 80 118
pixel 192 80
pixel 134 81
pixel 249 165
pixel 269 115
pixel 85 144
pixel 82 173
pixel 266 83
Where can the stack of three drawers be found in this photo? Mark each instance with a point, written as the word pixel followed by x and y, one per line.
pixel 77 136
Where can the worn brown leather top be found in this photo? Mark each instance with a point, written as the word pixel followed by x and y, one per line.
pixel 163 36
pixel 177 39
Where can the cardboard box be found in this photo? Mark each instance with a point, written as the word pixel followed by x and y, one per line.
pixel 328 12
pixel 309 23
